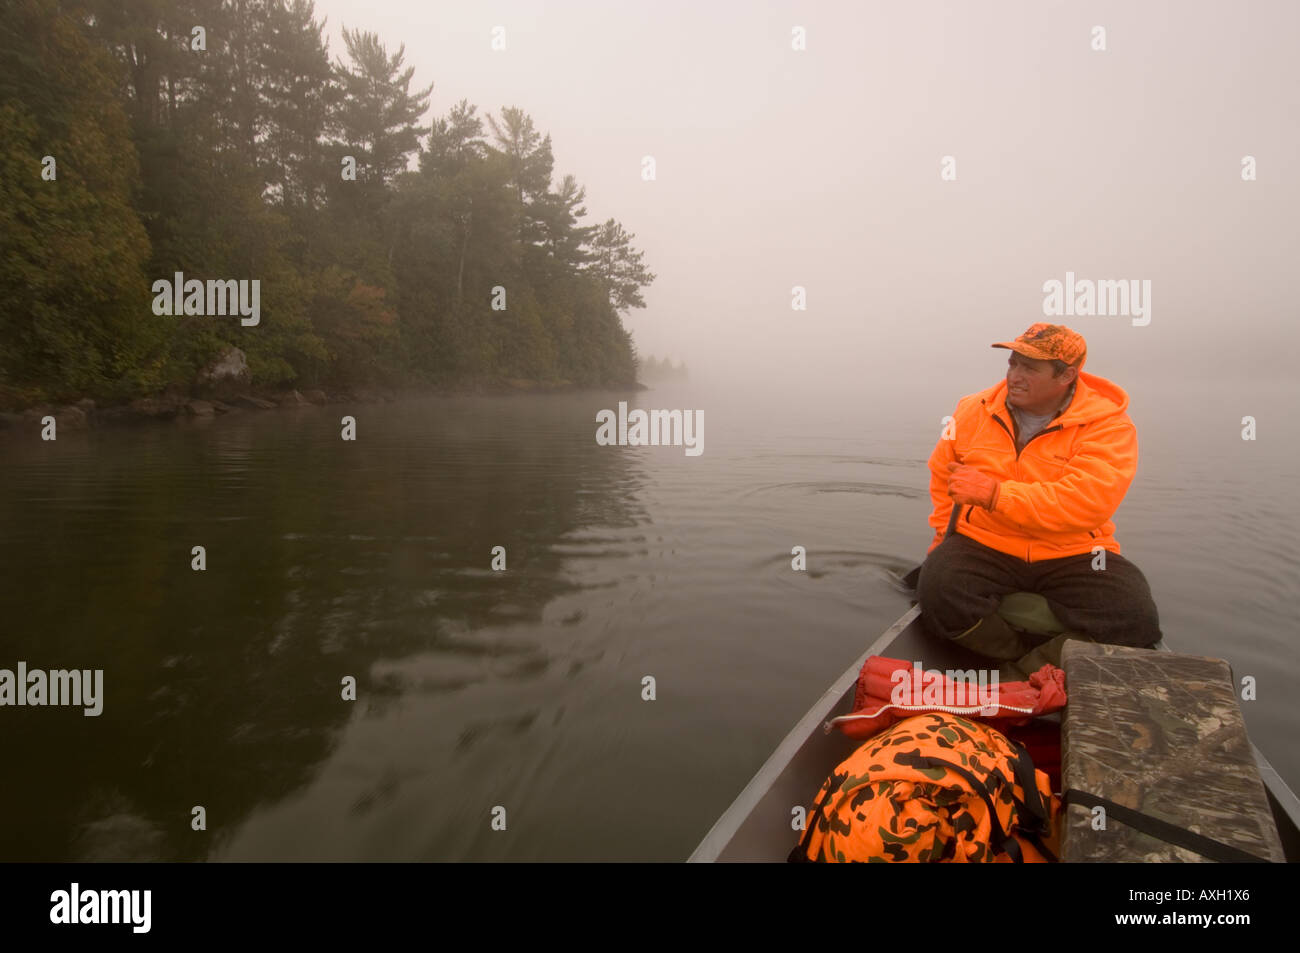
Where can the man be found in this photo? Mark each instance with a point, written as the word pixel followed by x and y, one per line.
pixel 1037 464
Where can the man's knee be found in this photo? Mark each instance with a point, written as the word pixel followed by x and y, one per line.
pixel 937 589
pixel 934 575
pixel 1140 626
pixel 1121 612
pixel 950 603
pixel 1136 627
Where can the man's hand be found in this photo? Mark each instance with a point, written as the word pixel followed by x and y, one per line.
pixel 970 487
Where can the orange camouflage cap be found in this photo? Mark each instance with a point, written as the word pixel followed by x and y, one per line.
pixel 1050 342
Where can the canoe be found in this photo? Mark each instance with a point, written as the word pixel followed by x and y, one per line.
pixel 757 827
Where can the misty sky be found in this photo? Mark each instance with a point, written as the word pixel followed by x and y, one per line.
pixel 821 168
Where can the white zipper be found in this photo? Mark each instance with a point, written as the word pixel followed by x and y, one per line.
pixel 950 709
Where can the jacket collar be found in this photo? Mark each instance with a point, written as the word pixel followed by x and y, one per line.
pixel 1094 398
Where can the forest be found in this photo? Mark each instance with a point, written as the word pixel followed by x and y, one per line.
pixel 142 139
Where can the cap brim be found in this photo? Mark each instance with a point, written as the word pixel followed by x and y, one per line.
pixel 1025 349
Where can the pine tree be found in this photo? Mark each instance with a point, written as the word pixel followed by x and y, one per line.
pixel 617 265
pixel 379 115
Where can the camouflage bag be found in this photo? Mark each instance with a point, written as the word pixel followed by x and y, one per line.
pixel 934 788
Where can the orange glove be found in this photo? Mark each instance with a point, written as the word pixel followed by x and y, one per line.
pixel 971 487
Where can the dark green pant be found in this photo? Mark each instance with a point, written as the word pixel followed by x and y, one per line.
pixel 963 581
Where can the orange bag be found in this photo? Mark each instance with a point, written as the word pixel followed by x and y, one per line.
pixel 934 788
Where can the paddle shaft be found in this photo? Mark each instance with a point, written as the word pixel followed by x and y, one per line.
pixel 952 519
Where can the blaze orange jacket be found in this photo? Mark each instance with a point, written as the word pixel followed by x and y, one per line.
pixel 1057 496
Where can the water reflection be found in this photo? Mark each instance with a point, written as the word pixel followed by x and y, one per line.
pixel 324 559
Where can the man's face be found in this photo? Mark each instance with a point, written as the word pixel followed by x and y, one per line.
pixel 1031 386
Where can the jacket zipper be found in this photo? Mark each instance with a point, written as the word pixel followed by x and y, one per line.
pixel 1002 423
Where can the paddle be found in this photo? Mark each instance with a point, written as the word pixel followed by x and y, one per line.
pixel 912 578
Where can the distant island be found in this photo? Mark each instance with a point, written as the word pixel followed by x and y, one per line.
pixel 653 369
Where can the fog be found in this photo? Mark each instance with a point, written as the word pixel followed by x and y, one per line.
pixel 294 584
pixel 820 168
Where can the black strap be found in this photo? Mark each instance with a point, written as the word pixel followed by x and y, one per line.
pixel 800 853
pixel 1032 806
pixel 1001 838
pixel 1022 766
pixel 1163 830
pixel 1012 847
pixel 1043 849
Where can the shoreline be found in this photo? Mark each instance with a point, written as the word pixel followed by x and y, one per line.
pixel 86 414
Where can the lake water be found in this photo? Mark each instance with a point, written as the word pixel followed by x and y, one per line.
pixel 520 689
